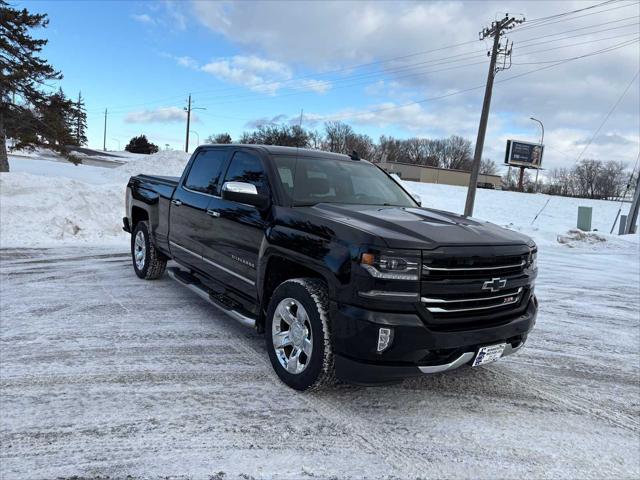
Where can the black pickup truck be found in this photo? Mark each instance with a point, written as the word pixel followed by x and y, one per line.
pixel 335 262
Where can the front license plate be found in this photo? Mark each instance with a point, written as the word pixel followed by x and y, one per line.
pixel 489 354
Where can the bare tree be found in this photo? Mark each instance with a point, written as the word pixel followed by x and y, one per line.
pixel 221 138
pixel 612 180
pixel 488 167
pixel 586 174
pixel 457 153
pixel 340 138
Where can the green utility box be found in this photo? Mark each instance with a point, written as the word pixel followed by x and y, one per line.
pixel 584 218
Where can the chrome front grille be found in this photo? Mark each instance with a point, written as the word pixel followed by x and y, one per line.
pixel 453 267
pixel 470 304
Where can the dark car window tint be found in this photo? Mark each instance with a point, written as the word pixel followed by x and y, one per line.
pixel 204 175
pixel 247 168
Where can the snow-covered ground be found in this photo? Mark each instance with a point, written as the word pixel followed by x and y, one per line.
pixel 105 375
pixel 48 202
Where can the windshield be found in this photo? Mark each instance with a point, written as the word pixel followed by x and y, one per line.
pixel 311 180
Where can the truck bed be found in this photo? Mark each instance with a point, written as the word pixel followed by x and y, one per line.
pixel 165 180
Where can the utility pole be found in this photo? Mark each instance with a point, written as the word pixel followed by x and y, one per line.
pixel 497 29
pixel 630 227
pixel 188 109
pixel 104 141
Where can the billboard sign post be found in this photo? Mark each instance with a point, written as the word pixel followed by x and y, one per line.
pixel 523 155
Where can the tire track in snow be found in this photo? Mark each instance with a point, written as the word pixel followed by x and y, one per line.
pixel 382 444
pixel 563 398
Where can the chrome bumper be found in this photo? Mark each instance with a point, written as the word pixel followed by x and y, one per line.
pixel 464 359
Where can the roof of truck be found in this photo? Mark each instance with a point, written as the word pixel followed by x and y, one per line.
pixel 278 150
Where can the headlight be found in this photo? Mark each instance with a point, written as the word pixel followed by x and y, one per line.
pixel 392 265
pixel 533 259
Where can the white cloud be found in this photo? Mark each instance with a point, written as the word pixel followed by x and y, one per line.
pixel 318 86
pixel 261 75
pixel 253 72
pixel 143 18
pixel 159 115
pixel 571 99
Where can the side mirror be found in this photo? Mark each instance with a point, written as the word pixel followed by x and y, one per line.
pixel 417 198
pixel 246 193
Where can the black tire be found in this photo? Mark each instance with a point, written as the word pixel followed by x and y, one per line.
pixel 154 263
pixel 319 370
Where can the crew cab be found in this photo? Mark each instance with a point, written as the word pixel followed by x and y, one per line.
pixel 335 262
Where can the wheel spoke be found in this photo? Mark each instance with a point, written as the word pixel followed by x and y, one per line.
pixel 292 363
pixel 281 339
pixel 285 314
pixel 306 347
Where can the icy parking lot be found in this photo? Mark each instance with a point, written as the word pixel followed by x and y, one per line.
pixel 105 375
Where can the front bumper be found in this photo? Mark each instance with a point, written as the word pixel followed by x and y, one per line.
pixel 417 348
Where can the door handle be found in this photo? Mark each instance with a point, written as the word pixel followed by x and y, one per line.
pixel 213 213
pixel 177 203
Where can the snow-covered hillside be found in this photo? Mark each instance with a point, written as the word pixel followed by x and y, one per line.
pixel 45 202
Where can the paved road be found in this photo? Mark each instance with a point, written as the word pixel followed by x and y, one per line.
pixel 103 374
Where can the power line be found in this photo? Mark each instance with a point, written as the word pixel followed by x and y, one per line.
pixel 540 19
pixel 457 92
pixel 607 49
pixel 585 28
pixel 412 70
pixel 604 120
pixel 257 97
pixel 291 81
pixel 545 24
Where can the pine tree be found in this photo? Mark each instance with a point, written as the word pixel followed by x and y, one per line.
pixel 57 116
pixel 79 126
pixel 140 144
pixel 22 75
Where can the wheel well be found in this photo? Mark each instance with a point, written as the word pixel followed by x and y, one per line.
pixel 278 270
pixel 138 215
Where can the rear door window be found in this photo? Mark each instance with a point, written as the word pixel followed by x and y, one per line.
pixel 204 176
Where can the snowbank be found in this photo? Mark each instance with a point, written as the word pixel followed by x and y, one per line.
pixel 517 211
pixel 45 202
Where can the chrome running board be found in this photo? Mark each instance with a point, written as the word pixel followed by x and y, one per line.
pixel 465 358
pixel 197 288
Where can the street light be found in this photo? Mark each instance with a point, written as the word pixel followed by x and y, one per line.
pixel 541 144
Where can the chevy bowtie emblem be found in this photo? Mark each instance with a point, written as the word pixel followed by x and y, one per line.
pixel 494 284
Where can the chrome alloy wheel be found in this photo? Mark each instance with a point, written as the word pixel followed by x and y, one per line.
pixel 291 335
pixel 140 250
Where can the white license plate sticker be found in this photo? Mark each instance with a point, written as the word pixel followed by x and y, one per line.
pixel 489 354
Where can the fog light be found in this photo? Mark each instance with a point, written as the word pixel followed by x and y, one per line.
pixel 385 336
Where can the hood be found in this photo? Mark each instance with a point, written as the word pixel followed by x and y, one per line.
pixel 409 227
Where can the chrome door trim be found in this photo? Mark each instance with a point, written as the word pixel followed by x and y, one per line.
pixel 201 193
pixel 212 263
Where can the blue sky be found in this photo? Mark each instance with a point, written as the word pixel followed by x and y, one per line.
pixel 249 63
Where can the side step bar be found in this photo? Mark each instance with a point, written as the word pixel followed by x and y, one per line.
pixel 193 284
